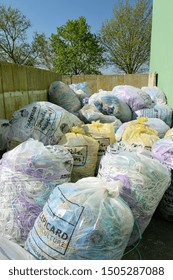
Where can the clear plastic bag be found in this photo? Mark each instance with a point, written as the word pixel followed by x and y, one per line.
pixel 163 151
pixel 82 221
pixel 144 181
pixel 64 96
pixel 28 173
pixel 133 96
pixel 10 250
pixel 41 121
pixel 156 94
pixel 108 104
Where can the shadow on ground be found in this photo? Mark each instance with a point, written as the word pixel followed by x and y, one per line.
pixel 156 242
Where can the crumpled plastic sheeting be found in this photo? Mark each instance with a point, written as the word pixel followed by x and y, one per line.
pixel 28 174
pixel 163 151
pixel 133 96
pixel 84 150
pixel 160 126
pixel 144 180
pixel 10 250
pixel 108 104
pixel 82 221
pixel 156 94
pixel 4 128
pixel 137 132
pixel 41 121
pixel 64 96
pixel 160 111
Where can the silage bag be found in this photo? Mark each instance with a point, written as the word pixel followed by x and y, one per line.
pixel 108 104
pixel 160 111
pixel 103 133
pixel 41 121
pixel 137 132
pixel 84 150
pixel 86 220
pixel 4 129
pixel 163 151
pixel 133 96
pixel 160 126
pixel 10 250
pixel 62 95
pixel 90 113
pixel 156 94
pixel 28 173
pixel 144 181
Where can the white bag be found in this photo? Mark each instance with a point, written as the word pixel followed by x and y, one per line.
pixel 82 221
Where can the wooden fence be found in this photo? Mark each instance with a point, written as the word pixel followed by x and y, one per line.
pixel 21 85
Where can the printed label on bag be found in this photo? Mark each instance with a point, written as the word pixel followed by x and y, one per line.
pixel 103 143
pixel 79 154
pixel 54 227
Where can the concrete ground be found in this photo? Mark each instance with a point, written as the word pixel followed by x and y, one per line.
pixel 156 242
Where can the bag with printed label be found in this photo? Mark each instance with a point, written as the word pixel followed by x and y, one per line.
pixel 84 150
pixel 41 121
pixel 86 220
pixel 103 133
pixel 28 173
pixel 160 111
pixel 144 181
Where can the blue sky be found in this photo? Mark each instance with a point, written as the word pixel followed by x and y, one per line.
pixel 45 16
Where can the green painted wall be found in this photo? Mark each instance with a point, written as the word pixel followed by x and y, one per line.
pixel 162 46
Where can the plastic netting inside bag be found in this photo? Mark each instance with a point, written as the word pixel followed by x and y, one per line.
pixel 133 96
pixel 156 94
pixel 144 181
pixel 41 121
pixel 86 221
pixel 108 104
pixel 28 174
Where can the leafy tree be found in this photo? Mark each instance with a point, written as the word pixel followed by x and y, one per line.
pixel 127 35
pixel 14 46
pixel 76 49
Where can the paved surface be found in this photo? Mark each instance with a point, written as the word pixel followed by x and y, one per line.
pixel 156 243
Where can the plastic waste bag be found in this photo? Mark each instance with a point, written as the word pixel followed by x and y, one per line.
pixel 84 150
pixel 62 95
pixel 41 121
pixel 156 94
pixel 160 111
pixel 144 181
pixel 28 173
pixel 137 132
pixel 10 250
pixel 163 151
pixel 4 128
pixel 169 133
pixel 86 220
pixel 133 96
pixel 108 104
pixel 103 133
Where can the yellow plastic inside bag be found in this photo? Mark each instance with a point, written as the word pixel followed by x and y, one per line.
pixel 137 132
